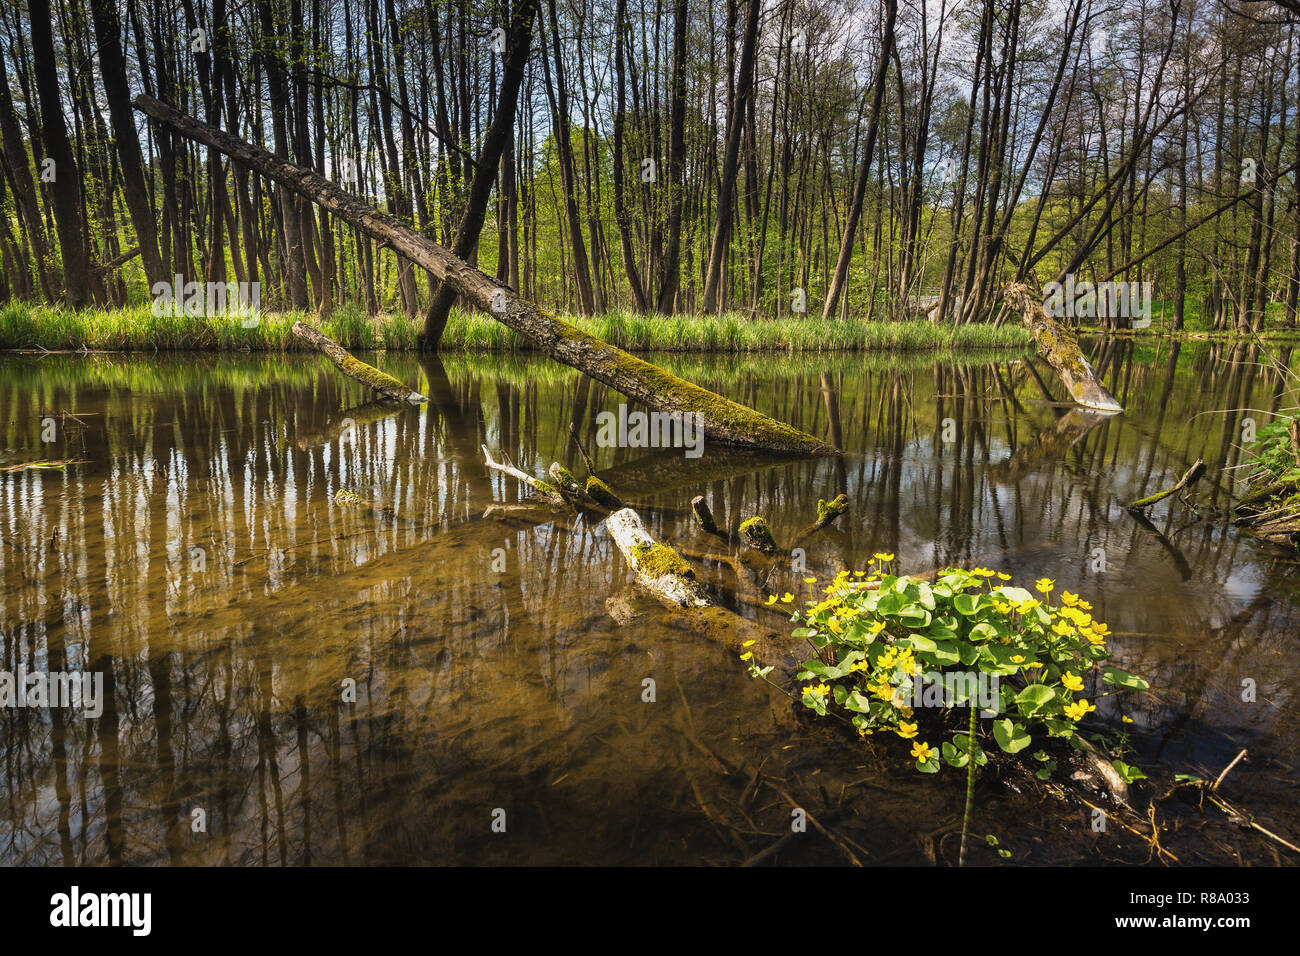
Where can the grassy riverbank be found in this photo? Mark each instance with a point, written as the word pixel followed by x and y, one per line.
pixel 24 326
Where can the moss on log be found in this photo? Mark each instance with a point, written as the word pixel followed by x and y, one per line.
pixel 1191 476
pixel 757 535
pixel 658 568
pixel 1061 349
pixel 354 368
pixel 600 493
pixel 828 511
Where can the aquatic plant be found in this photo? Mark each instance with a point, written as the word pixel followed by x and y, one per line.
pixel 891 648
pixel 1272 506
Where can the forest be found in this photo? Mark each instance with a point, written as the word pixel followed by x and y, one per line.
pixel 842 158
pixel 653 433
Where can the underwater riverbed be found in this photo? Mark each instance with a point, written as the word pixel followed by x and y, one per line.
pixel 294 677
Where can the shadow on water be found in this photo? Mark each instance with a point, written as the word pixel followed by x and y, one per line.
pixel 295 678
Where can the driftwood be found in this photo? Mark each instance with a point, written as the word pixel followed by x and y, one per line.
pixel 1061 349
pixel 1191 476
pixel 723 420
pixel 658 568
pixel 548 493
pixel 757 535
pixel 671 580
pixel 354 368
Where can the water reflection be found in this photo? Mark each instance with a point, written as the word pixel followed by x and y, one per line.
pixel 296 676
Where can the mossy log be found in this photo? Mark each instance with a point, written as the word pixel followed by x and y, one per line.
pixel 827 511
pixel 354 368
pixel 723 420
pixel 601 493
pixel 757 535
pixel 1061 349
pixel 568 485
pixel 1191 476
pixel 544 491
pixel 658 568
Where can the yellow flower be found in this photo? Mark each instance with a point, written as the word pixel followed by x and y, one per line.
pixel 1085 605
pixel 1078 709
pixel 749 643
pixel 772 599
pixel 921 751
pixel 834 625
pixel 1017 658
pixel 1127 719
pixel 883 558
pixel 1068 599
pixel 787 597
pixel 1072 682
pixel 817 690
pixel 1003 577
pixel 747 656
pixel 905 730
pixel 809 580
pixel 1044 585
pixel 1063 629
pixel 876 627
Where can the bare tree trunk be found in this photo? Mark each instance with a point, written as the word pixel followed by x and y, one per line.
pixel 841 274
pixel 67 214
pixel 731 160
pixel 489 160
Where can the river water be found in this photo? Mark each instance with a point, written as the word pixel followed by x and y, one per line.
pixel 291 678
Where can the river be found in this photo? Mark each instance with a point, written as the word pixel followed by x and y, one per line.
pixel 291 678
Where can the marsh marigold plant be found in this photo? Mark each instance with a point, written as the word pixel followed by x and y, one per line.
pixel 877 634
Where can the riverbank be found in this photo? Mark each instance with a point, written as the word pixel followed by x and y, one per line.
pixel 38 327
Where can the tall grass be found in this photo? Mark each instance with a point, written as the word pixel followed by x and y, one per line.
pixel 136 328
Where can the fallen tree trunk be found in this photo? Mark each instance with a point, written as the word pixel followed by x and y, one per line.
pixel 1059 346
pixel 354 368
pixel 722 419
pixel 1191 476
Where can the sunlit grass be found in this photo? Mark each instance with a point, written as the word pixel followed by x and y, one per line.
pixel 136 328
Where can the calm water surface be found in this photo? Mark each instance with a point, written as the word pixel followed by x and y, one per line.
pixel 198 558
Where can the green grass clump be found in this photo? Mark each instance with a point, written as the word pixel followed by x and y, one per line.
pixel 136 328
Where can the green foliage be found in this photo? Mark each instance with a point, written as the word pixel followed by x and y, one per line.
pixel 887 644
pixel 1273 455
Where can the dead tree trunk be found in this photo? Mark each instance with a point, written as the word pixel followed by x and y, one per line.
pixel 722 420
